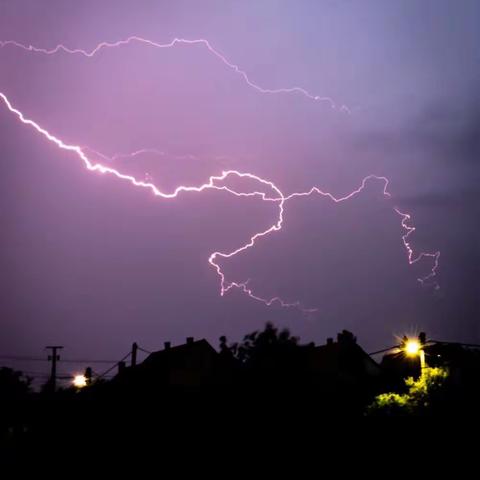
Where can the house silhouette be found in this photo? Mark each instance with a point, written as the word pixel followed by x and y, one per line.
pixel 335 370
pixel 190 367
pixel 344 360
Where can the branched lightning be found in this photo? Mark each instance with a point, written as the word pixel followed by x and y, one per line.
pixel 430 278
pixel 269 191
pixel 212 184
pixel 173 43
pixel 137 153
pixel 406 217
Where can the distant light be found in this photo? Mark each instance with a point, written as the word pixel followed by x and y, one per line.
pixel 80 381
pixel 412 347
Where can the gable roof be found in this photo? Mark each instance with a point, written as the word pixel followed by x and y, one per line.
pixel 170 354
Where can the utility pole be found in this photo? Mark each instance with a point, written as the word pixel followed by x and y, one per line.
pixel 134 353
pixel 88 376
pixel 53 373
pixel 422 339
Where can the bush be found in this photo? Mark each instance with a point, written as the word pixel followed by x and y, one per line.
pixel 416 401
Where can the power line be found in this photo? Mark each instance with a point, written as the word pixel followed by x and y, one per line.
pixel 430 342
pixel 64 360
pixel 67 360
pixel 37 374
pixel 144 351
pixel 22 358
pixel 74 360
pixel 114 365
pixel 383 350
pixel 472 345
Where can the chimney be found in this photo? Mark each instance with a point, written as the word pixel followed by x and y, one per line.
pixel 346 337
pixel 167 345
pixel 189 340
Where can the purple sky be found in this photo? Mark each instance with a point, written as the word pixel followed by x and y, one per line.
pixel 92 263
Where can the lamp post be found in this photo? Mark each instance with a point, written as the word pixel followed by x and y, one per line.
pixel 79 381
pixel 413 347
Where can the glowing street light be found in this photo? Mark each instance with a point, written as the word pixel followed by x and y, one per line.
pixel 413 347
pixel 79 381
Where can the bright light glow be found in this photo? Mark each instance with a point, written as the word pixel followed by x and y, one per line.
pixel 412 347
pixel 80 381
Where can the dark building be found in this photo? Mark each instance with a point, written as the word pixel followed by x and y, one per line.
pixel 344 360
pixel 333 377
pixel 193 366
pixel 196 365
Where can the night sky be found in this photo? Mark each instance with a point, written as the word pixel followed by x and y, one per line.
pixel 92 263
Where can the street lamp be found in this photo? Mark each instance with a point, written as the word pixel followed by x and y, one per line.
pixel 79 381
pixel 413 347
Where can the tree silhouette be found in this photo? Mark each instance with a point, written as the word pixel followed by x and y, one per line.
pixel 14 392
pixel 14 384
pixel 268 360
pixel 257 346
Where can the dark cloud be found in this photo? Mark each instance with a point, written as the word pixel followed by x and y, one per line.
pixel 446 131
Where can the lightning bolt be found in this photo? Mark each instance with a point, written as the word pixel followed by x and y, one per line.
pixel 430 278
pixel 406 218
pixel 216 182
pixel 176 41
